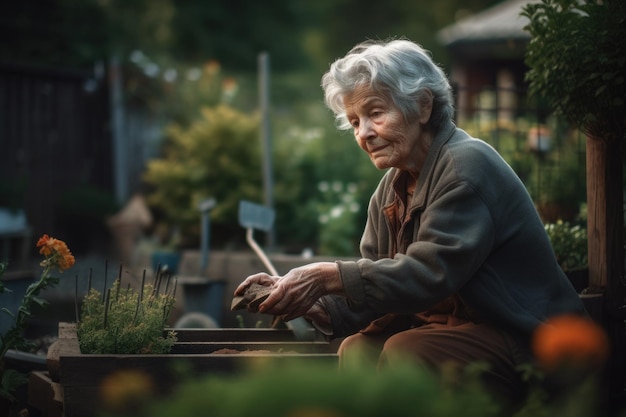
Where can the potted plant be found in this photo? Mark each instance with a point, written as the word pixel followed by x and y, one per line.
pixel 57 257
pixel 569 242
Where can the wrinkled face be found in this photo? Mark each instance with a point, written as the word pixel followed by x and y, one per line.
pixel 382 132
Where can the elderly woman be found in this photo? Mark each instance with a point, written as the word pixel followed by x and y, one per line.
pixel 456 266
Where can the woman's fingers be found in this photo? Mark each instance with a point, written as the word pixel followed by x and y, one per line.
pixel 261 279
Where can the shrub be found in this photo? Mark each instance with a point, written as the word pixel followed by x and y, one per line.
pixel 309 389
pixel 217 157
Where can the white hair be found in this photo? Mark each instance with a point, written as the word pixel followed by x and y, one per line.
pixel 400 68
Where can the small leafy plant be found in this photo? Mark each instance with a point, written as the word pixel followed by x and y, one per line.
pixel 57 257
pixel 569 242
pixel 126 321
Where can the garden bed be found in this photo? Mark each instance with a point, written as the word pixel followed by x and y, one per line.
pixel 197 352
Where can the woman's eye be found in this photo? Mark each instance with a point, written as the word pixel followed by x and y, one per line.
pixel 354 123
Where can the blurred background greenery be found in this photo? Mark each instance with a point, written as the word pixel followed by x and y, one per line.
pixel 190 68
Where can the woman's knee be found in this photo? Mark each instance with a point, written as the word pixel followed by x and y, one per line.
pixel 358 350
pixel 404 347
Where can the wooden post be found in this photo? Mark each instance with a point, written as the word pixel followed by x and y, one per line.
pixel 605 226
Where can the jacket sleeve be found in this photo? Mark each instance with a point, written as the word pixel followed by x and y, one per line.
pixel 453 236
pixel 344 319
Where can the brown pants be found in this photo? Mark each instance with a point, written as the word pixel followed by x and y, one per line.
pixel 436 344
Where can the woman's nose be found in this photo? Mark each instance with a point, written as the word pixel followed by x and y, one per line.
pixel 365 130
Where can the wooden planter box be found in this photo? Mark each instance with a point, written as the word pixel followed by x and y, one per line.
pixel 80 376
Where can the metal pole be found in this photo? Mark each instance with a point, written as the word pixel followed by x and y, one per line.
pixel 204 242
pixel 266 140
pixel 120 158
pixel 205 208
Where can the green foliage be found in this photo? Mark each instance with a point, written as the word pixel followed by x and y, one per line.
pixel 126 321
pixel 310 156
pixel 337 210
pixel 317 389
pixel 305 389
pixel 296 34
pixel 568 392
pixel 556 178
pixel 215 157
pixel 14 338
pixel 557 181
pixel 577 61
pixel 569 243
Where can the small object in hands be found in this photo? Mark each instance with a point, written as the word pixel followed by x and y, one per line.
pixel 255 294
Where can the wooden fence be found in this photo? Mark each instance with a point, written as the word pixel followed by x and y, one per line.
pixel 54 142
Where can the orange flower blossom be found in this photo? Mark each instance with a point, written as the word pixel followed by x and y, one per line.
pixel 570 340
pixel 125 388
pixel 56 252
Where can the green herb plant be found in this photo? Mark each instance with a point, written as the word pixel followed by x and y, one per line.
pixel 127 321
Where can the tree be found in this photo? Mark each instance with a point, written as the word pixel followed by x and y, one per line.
pixel 577 61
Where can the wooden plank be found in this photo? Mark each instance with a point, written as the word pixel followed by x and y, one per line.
pixel 235 334
pixel 90 370
pixel 278 347
pixel 82 375
pixel 45 395
pixel 81 402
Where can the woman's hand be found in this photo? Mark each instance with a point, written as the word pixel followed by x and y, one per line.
pixel 260 278
pixel 294 294
pixel 320 318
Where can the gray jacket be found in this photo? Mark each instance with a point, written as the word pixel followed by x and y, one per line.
pixel 474 232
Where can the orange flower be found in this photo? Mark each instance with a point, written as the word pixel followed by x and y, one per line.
pixel 56 252
pixel 570 340
pixel 125 389
pixel 212 67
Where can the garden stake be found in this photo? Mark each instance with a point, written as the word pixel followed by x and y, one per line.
pixel 119 279
pixel 174 291
pixel 106 306
pixel 106 272
pixel 158 287
pixel 167 285
pixel 76 298
pixel 143 282
pixel 156 276
pixel 89 282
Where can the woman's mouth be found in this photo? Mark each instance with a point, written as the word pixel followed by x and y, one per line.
pixel 377 149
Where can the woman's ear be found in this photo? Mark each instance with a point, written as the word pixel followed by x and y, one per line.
pixel 425 105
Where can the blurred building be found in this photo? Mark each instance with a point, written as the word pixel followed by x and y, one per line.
pixel 487 60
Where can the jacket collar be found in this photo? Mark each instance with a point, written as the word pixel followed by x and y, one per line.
pixel 423 181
